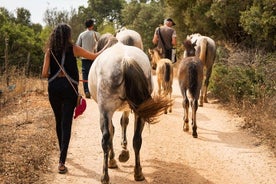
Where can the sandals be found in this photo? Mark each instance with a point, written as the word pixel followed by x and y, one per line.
pixel 62 169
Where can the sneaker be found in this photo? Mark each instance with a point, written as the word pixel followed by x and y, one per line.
pixel 62 169
pixel 87 95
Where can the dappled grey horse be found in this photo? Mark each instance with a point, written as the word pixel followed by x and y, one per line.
pixel 120 79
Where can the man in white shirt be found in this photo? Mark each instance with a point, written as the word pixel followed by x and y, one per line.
pixel 87 40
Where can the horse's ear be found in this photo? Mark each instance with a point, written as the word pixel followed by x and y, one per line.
pixel 194 43
pixel 159 50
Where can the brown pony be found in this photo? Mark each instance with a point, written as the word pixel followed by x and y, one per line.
pixel 164 73
pixel 205 47
pixel 190 76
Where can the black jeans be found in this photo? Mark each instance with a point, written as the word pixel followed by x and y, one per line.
pixel 63 101
pixel 86 64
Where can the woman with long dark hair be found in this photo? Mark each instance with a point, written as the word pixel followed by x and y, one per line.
pixel 61 52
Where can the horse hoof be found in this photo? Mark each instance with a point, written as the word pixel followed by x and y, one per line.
pixel 112 164
pixel 186 127
pixel 105 180
pixel 195 135
pixel 139 178
pixel 200 105
pixel 138 175
pixel 124 156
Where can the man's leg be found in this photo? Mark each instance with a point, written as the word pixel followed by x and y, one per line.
pixel 86 64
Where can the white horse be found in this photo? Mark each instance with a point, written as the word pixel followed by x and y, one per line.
pixel 120 79
pixel 206 47
pixel 130 37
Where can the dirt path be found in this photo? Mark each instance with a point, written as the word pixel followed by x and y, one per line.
pixel 221 154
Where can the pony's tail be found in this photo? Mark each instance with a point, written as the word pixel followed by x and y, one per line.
pixel 193 79
pixel 138 94
pixel 167 72
pixel 203 49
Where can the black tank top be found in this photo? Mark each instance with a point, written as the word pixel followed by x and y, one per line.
pixel 70 64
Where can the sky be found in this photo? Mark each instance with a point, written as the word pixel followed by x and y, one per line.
pixel 38 7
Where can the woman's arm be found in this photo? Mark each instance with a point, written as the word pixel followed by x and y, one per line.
pixel 81 52
pixel 46 65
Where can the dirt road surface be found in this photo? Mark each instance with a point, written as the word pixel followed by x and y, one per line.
pixel 222 153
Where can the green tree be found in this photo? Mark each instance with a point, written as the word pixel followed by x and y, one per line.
pixel 106 10
pixel 24 46
pixel 23 16
pixel 143 18
pixel 260 22
pixel 53 17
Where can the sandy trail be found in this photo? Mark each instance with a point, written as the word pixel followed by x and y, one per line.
pixel 222 153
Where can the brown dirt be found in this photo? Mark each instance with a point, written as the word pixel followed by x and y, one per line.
pixel 223 152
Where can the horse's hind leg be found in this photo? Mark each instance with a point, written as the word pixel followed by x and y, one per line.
pixel 185 105
pixel 137 143
pixel 124 155
pixel 202 91
pixel 105 121
pixel 112 162
pixel 194 105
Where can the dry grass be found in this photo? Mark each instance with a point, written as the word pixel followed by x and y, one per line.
pixel 27 135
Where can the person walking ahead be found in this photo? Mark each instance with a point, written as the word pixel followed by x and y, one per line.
pixel 87 40
pixel 62 96
pixel 165 38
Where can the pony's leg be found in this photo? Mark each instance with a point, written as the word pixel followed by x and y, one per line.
pixel 137 143
pixel 124 155
pixel 185 105
pixel 194 105
pixel 105 122
pixel 112 162
pixel 206 84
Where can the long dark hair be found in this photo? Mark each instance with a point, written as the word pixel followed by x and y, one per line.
pixel 60 39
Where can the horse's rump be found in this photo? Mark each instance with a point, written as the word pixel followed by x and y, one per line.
pixel 190 75
pixel 205 48
pixel 130 37
pixel 138 93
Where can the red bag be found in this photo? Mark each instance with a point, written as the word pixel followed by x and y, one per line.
pixel 81 106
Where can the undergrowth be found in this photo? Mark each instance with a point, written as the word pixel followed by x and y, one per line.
pixel 246 82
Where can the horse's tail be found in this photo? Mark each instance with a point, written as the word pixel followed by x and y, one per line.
pixel 193 79
pixel 167 72
pixel 203 49
pixel 138 93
